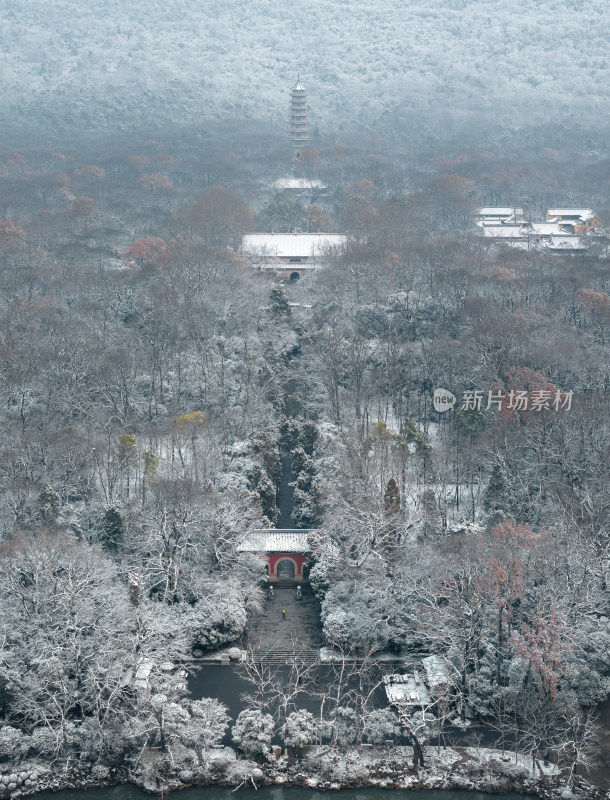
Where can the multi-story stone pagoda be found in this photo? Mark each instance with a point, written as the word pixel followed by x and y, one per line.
pixel 298 119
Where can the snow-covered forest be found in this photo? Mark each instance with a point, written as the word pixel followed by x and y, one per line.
pixel 421 67
pixel 147 374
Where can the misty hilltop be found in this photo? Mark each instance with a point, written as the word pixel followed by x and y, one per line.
pixel 106 63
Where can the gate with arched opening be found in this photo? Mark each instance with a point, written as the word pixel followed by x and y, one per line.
pixel 286 552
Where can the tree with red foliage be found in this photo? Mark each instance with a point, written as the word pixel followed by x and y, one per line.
pixel 317 218
pixel 523 386
pixel 391 261
pixel 309 161
pixel 155 181
pixel 596 301
pixel 10 234
pixel 83 207
pixel 598 305
pixel 218 215
pixel 340 151
pixel 543 646
pixel 139 162
pixel 15 163
pixel 503 274
pixel 146 250
pixel 362 189
pixel 502 581
pixel 90 171
pixel 452 197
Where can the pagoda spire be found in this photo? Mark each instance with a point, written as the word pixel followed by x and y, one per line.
pixel 299 131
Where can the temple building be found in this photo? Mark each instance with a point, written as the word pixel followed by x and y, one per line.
pixel 286 251
pixel 574 220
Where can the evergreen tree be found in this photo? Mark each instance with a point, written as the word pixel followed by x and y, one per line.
pixel 112 529
pixel 48 504
pixel 252 732
pixel 279 305
pixel 494 502
pixel 300 729
pixel 470 421
pixel 409 434
pixel 432 521
pixel 391 497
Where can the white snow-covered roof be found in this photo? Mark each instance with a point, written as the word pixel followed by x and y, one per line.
pixel 298 87
pixel 142 673
pixel 272 541
pixel 437 671
pixel 408 689
pixel 298 183
pixel 545 228
pixel 585 214
pixel 291 245
pixel 500 211
pixel 464 526
pixel 565 241
pixel 504 231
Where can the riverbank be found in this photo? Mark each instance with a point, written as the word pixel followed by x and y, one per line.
pixel 321 769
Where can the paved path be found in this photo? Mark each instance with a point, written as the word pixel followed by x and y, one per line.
pixel 285 492
pixel 299 630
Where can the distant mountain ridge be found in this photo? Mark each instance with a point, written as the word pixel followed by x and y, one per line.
pixel 110 62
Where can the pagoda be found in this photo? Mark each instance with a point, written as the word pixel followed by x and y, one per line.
pixel 298 119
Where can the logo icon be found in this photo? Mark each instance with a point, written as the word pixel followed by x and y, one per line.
pixel 443 400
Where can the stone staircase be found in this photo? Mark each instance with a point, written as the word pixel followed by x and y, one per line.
pixel 277 638
pixel 286 657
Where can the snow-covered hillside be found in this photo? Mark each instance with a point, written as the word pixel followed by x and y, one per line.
pixel 111 62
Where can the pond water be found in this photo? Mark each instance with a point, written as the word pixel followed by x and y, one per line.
pixel 276 793
pixel 228 684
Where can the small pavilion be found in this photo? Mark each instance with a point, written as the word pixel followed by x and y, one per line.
pixel 286 551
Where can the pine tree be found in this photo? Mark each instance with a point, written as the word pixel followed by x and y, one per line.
pixel 112 529
pixel 48 504
pixel 432 522
pixel 410 434
pixel 279 305
pixel 391 497
pixel 494 502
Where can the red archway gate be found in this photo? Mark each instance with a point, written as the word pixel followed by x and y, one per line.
pixel 296 559
pixel 286 552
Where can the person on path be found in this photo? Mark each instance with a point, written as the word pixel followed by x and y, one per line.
pixel 283 613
